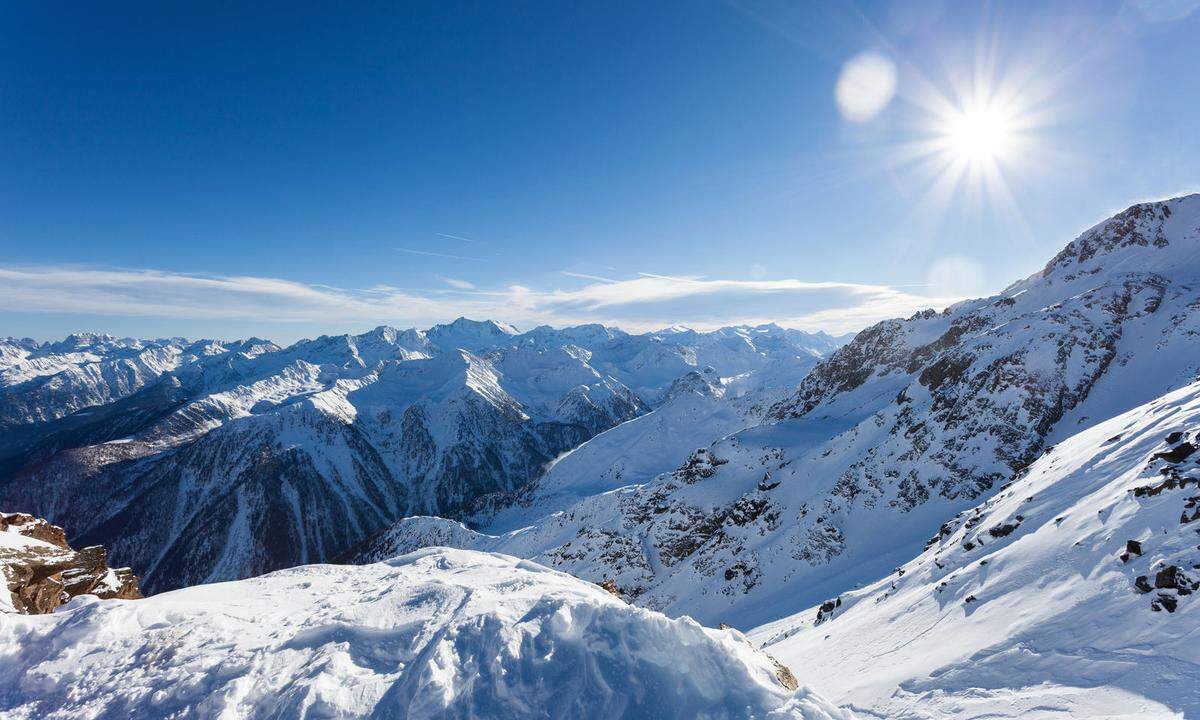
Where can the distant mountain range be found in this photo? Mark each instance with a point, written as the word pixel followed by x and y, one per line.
pixel 988 511
pixel 212 460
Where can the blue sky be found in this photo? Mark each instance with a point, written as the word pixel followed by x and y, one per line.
pixel 284 170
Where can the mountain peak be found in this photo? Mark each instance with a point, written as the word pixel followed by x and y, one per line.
pixel 464 324
pixel 1161 236
pixel 470 334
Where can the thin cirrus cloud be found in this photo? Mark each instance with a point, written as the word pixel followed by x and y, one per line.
pixel 448 236
pixel 456 283
pixel 427 253
pixel 648 301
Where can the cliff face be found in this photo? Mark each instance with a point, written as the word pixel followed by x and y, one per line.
pixel 41 571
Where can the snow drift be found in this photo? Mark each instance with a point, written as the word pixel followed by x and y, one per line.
pixel 438 633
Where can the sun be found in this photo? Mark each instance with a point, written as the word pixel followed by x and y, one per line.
pixel 979 135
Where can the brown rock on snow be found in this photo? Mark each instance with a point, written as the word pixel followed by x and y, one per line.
pixel 32 527
pixel 785 675
pixel 44 572
pixel 611 586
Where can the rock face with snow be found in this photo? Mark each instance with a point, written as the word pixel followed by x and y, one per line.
pixel 224 460
pixel 436 634
pixel 40 571
pixel 1074 590
pixel 911 422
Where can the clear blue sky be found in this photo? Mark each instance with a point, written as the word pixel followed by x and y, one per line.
pixel 286 170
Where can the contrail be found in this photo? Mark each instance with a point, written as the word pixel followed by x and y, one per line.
pixel 454 237
pixel 438 254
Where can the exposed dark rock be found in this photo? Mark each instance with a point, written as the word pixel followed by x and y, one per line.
pixel 1172 577
pixel 1003 530
pixel 825 612
pixel 37 528
pixel 1164 601
pixel 765 484
pixel 1173 481
pixel 1177 454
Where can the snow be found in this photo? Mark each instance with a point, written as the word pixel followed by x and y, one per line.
pixel 1055 626
pixel 434 634
pixel 912 422
pixel 633 452
pixel 363 430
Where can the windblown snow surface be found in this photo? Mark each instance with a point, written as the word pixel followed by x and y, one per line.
pixel 435 634
pixel 1071 593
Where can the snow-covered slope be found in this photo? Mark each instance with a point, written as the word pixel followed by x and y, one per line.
pixel 696 409
pixel 242 458
pixel 1071 593
pixel 436 634
pixel 911 422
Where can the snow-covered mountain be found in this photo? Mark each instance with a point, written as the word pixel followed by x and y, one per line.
pixel 42 382
pixel 1073 592
pixel 911 422
pixel 231 459
pixel 436 634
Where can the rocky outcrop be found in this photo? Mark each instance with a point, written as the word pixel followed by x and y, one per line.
pixel 41 571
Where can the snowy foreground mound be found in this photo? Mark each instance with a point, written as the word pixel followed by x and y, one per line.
pixel 439 633
pixel 1074 592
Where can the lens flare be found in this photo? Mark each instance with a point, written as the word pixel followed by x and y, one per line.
pixel 980 135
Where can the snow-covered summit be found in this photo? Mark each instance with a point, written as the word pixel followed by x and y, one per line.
pixel 434 634
pixel 473 335
pixel 1161 237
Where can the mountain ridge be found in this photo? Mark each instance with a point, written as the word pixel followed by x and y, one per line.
pixel 910 422
pixel 188 474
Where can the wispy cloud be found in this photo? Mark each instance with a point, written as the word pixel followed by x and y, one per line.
pixel 585 276
pixel 460 284
pixel 448 236
pixel 647 301
pixel 427 253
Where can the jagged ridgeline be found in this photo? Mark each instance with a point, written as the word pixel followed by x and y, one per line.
pixel 910 423
pixel 213 460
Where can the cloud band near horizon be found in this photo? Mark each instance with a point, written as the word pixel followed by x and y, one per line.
pixel 645 302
